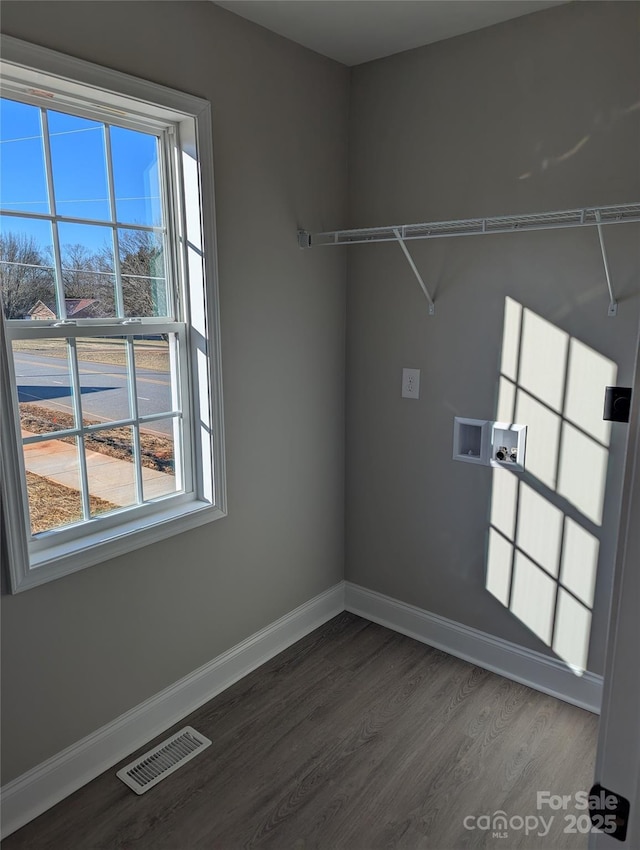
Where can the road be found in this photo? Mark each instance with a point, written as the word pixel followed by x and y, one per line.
pixel 104 394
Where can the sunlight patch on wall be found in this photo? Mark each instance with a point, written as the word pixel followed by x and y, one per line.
pixel 579 562
pixel 505 409
pixel 504 503
pixel 499 564
pixel 511 339
pixel 541 562
pixel 539 529
pixel 543 355
pixel 543 437
pixel 533 597
pixel 583 472
pixel 583 406
pixel 572 630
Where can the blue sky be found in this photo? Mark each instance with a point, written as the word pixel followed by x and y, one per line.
pixel 79 165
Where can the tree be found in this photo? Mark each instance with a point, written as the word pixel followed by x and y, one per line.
pixel 24 277
pixel 142 271
pixel 81 278
pixel 27 275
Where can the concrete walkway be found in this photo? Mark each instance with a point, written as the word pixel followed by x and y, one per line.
pixel 110 478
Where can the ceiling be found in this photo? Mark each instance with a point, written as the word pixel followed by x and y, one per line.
pixel 355 31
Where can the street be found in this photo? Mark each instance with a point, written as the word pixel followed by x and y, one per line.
pixel 104 393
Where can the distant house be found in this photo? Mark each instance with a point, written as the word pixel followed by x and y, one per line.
pixel 77 308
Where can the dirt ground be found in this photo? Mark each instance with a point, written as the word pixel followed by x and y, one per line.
pixel 52 505
pixel 156 451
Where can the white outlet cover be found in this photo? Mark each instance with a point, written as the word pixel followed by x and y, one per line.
pixel 411 383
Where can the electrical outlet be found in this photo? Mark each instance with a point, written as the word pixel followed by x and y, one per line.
pixel 411 383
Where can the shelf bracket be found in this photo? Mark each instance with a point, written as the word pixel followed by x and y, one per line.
pixel 613 304
pixel 405 250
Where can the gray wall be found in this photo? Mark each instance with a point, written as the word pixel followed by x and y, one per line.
pixel 539 113
pixel 530 115
pixel 80 651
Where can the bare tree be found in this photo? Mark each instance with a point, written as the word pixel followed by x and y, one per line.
pixel 85 276
pixel 27 276
pixel 143 276
pixel 24 277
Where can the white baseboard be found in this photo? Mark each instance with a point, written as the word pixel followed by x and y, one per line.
pixel 39 789
pixel 538 671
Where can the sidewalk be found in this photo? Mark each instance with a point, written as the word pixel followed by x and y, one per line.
pixel 110 478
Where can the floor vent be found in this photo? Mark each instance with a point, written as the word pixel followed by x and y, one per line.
pixel 150 768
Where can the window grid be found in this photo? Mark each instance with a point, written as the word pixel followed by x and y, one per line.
pixel 119 296
pixel 182 200
pixel 172 216
pixel 72 330
pixel 57 256
pixel 135 421
pixel 100 426
pixel 115 226
pixel 72 269
pixel 133 409
pixel 76 390
pixel 98 222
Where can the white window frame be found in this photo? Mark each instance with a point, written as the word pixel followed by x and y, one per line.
pixel 26 69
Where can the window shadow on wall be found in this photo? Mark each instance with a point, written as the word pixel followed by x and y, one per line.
pixel 544 529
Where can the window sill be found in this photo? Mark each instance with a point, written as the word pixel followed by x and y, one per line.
pixel 70 557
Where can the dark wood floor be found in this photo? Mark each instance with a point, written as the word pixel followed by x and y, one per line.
pixel 356 738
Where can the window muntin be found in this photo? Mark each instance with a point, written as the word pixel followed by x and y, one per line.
pixel 81 191
pixel 181 291
pixel 103 227
pixel 136 177
pixel 84 267
pixel 101 415
pixel 173 277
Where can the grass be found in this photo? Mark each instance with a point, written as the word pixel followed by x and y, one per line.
pixel 156 451
pixel 149 353
pixel 52 505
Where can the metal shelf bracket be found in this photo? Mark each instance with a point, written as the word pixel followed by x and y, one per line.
pixel 613 304
pixel 587 217
pixel 405 251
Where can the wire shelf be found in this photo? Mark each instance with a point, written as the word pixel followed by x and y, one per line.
pixel 587 217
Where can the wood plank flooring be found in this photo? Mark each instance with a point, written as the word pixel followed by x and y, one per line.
pixel 355 738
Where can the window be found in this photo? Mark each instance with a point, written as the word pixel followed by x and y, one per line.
pixel 112 432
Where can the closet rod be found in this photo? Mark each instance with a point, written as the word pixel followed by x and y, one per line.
pixel 587 217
